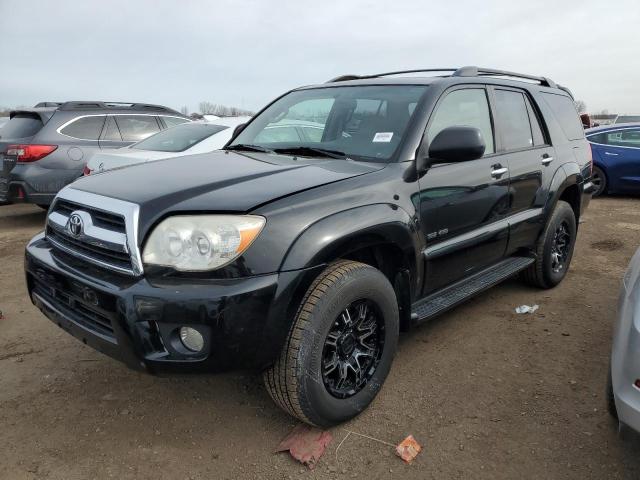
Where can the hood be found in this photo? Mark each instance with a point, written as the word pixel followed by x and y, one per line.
pixel 218 181
pixel 101 162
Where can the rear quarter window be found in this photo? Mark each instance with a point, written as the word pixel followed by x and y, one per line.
pixel 565 112
pixel 22 125
pixel 85 128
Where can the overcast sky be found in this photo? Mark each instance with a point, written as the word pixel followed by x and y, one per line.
pixel 244 53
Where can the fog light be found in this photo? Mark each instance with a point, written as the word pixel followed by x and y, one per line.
pixel 191 338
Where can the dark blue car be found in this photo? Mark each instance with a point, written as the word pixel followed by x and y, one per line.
pixel 616 158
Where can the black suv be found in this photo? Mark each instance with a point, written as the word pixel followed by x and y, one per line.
pixel 305 258
pixel 43 149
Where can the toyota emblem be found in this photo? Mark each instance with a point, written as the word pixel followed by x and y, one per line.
pixel 75 225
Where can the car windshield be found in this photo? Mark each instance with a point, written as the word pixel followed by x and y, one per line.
pixel 178 138
pixel 360 122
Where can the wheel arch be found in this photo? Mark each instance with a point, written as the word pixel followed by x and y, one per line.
pixel 566 186
pixel 381 235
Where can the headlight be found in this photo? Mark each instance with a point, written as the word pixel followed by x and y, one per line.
pixel 201 242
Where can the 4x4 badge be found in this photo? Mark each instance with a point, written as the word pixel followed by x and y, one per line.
pixel 75 225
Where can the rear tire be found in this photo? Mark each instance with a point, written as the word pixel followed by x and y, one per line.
pixel 554 249
pixel 340 346
pixel 599 180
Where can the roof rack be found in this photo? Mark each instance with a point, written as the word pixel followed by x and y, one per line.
pixel 468 71
pixel 89 105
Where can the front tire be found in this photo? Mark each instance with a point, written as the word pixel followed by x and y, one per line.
pixel 340 347
pixel 554 249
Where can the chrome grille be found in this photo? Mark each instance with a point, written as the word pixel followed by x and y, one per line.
pixel 96 229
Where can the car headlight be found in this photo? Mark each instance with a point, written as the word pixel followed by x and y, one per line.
pixel 201 242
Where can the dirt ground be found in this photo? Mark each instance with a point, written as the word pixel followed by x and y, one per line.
pixel 490 394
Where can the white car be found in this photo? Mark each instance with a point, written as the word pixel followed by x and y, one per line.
pixel 184 139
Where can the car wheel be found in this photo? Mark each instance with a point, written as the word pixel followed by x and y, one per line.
pixel 611 403
pixel 599 180
pixel 554 249
pixel 340 347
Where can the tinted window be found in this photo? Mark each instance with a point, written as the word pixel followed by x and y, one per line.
pixel 467 107
pixel 364 122
pixel 618 138
pixel 534 120
pixel 85 128
pixel 111 132
pixel 179 138
pixel 565 112
pixel 515 129
pixel 173 121
pixel 22 125
pixel 136 127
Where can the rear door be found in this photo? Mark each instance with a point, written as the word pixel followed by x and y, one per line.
pixel 21 128
pixel 526 150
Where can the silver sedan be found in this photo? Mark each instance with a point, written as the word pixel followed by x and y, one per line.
pixel 624 375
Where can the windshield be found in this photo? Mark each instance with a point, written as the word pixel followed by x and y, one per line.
pixel 362 122
pixel 178 138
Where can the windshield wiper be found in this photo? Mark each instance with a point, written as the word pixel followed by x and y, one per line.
pixel 248 148
pixel 311 152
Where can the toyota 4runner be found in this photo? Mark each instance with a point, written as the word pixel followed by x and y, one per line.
pixel 303 255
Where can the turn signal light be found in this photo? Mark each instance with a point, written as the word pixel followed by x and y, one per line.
pixel 29 153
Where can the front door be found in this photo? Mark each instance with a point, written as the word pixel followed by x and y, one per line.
pixel 463 206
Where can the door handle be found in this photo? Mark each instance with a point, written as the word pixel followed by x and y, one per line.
pixel 498 171
pixel 546 159
pixel 611 153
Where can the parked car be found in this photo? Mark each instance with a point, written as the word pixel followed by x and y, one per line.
pixel 303 258
pixel 616 158
pixel 42 149
pixel 623 386
pixel 184 139
pixel 627 119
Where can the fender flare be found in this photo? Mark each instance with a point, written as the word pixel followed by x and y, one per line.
pixel 566 176
pixel 367 225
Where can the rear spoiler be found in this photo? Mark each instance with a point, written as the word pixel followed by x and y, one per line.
pixel 44 115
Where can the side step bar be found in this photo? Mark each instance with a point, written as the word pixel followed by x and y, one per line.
pixel 450 296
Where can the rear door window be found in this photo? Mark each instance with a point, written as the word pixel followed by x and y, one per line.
pixel 618 138
pixel 22 125
pixel 565 112
pixel 111 132
pixel 85 128
pixel 136 127
pixel 513 119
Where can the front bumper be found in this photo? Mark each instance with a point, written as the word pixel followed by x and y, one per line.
pixel 244 321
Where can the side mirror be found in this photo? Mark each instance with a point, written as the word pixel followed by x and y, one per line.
pixel 453 144
pixel 238 129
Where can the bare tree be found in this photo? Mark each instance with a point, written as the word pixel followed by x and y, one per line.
pixel 184 110
pixel 208 108
pixel 581 107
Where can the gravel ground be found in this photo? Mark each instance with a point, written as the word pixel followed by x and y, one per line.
pixel 489 394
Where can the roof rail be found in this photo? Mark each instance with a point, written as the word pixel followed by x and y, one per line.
pixel 468 71
pixel 89 105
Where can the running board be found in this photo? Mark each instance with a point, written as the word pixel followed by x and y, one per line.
pixel 450 296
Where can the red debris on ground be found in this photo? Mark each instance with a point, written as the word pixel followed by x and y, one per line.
pixel 408 449
pixel 306 444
